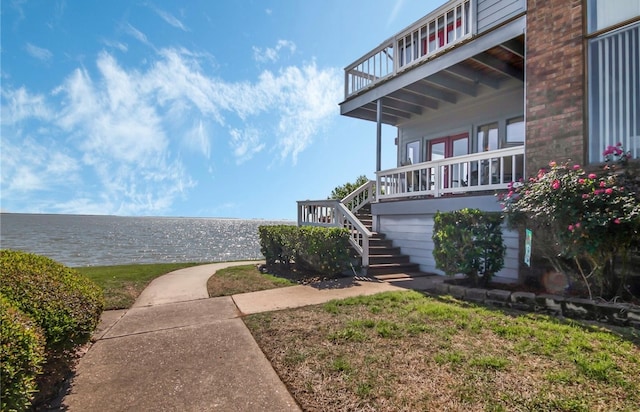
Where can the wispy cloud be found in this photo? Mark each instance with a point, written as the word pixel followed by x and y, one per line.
pixel 39 53
pixel 245 144
pixel 125 128
pixel 115 45
pixel 394 12
pixel 136 34
pixel 272 54
pixel 171 19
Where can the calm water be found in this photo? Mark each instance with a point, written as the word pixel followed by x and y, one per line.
pixel 77 240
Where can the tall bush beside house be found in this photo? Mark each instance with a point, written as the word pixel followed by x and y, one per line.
pixel 63 303
pixel 591 221
pixel 21 357
pixel 469 242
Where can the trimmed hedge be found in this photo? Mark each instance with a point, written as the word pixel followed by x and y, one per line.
pixel 21 357
pixel 64 303
pixel 320 249
pixel 469 241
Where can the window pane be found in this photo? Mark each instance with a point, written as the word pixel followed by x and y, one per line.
pixel 515 130
pixel 614 91
pixel 606 13
pixel 488 137
pixel 413 153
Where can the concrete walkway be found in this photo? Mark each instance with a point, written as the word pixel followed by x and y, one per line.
pixel 178 350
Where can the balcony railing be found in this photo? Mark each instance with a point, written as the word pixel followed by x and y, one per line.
pixel 437 31
pixel 477 172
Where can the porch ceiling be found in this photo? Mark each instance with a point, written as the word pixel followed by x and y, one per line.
pixel 469 77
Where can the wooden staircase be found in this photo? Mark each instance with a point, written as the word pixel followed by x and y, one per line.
pixel 385 260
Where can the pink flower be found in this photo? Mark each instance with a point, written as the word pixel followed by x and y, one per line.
pixel 616 221
pixel 592 176
pixel 576 167
pixel 585 196
pixel 552 164
pixel 598 191
pixel 602 184
pixel 619 144
pixel 577 225
pixel 570 228
pixel 581 181
pixel 608 191
pixel 556 184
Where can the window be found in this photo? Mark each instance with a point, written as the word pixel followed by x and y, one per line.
pixel 487 137
pixel 614 88
pixel 413 153
pixel 607 13
pixel 515 130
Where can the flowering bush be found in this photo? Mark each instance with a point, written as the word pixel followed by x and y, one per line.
pixel 591 220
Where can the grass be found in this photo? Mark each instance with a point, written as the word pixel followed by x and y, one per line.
pixel 243 279
pixel 404 351
pixel 122 284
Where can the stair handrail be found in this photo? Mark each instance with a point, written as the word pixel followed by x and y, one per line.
pixel 332 213
pixel 361 196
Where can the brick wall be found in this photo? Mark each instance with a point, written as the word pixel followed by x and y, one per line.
pixel 555 83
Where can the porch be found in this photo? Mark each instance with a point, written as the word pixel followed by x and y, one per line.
pixel 400 233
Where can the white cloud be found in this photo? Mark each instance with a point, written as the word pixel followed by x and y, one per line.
pixel 115 45
pixel 272 54
pixel 125 127
pixel 171 19
pixel 136 34
pixel 245 144
pixel 39 53
pixel 19 105
pixel 197 139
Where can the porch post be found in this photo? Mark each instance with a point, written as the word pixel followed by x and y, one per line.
pixel 379 135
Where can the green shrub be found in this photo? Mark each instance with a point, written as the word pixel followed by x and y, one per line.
pixel 319 249
pixel 64 303
pixel 590 220
pixel 323 249
pixel 21 357
pixel 469 241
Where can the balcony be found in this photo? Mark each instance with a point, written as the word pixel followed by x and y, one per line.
pixel 462 52
pixel 436 32
pixel 478 172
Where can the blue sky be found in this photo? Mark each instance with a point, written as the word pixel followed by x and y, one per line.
pixel 225 108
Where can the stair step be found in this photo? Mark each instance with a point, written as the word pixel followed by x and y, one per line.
pixel 403 276
pixel 389 268
pixel 373 250
pixel 375 259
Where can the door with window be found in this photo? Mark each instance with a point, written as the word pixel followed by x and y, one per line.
pixel 445 147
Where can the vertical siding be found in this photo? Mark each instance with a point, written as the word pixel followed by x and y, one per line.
pixel 494 12
pixel 413 234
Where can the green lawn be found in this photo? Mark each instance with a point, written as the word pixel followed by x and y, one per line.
pixel 242 279
pixel 404 351
pixel 122 284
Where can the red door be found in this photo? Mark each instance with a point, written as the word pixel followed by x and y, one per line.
pixel 444 148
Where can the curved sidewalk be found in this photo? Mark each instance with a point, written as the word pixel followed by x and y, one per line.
pixel 178 350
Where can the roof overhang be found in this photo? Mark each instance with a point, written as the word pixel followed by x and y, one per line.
pixel 482 62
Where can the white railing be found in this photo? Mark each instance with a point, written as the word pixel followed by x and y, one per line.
pixel 492 170
pixel 360 197
pixel 437 31
pixel 340 213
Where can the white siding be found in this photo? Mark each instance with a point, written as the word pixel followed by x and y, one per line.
pixel 464 116
pixel 494 12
